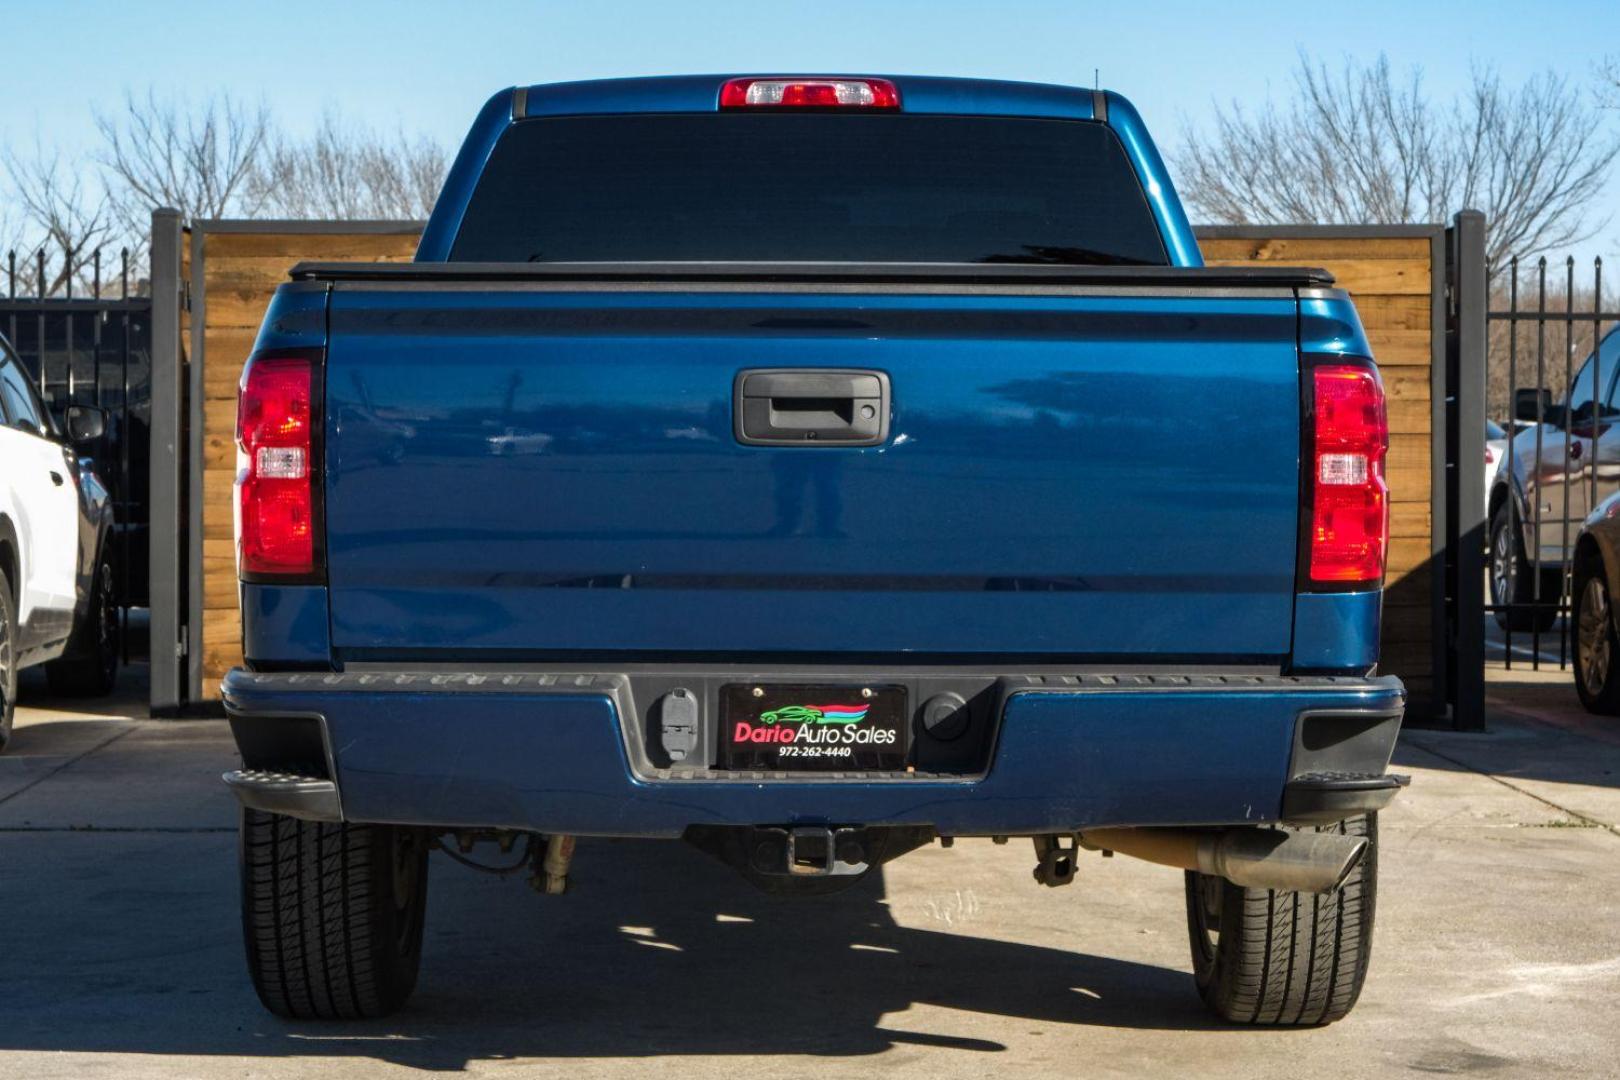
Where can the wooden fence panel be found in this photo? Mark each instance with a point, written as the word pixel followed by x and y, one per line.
pixel 1392 278
pixel 240 265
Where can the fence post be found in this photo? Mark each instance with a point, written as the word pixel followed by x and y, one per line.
pixel 1465 455
pixel 167 580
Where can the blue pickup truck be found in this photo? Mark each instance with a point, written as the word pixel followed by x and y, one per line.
pixel 811 469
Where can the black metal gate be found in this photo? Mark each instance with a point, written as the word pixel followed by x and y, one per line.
pixel 1552 405
pixel 84 335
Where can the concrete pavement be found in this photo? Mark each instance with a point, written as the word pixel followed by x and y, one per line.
pixel 1497 949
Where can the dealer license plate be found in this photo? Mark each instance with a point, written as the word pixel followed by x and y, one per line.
pixel 808 728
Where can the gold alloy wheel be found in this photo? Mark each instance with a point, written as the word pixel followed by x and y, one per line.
pixel 1594 656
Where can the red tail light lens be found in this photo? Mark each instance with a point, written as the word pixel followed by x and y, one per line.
pixel 809 93
pixel 1349 499
pixel 275 475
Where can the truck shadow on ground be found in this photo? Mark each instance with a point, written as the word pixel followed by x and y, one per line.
pixel 656 951
pixel 661 952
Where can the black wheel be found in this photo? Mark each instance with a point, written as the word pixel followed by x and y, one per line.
pixel 332 915
pixel 1597 651
pixel 89 668
pixel 1284 958
pixel 1513 580
pixel 8 663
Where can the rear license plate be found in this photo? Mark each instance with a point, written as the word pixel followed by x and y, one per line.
pixel 808 728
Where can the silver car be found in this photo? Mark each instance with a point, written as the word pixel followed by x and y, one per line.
pixel 1552 476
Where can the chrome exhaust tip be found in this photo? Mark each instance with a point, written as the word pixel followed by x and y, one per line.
pixel 1313 862
pixel 1258 858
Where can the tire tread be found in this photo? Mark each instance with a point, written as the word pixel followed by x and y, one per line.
pixel 1288 958
pixel 318 928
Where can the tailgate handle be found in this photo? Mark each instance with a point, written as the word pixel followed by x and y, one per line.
pixel 811 407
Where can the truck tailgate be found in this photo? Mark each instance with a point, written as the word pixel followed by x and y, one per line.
pixel 545 472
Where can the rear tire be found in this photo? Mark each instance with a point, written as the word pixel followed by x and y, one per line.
pixel 8 663
pixel 1284 958
pixel 332 915
pixel 1513 580
pixel 1597 650
pixel 90 666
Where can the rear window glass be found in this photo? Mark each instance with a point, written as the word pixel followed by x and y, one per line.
pixel 788 187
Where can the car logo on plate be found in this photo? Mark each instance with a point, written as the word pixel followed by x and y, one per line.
pixel 814 714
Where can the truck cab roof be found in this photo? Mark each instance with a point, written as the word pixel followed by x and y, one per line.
pixel 918 94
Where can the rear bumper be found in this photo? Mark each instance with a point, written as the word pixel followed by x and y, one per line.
pixel 549 752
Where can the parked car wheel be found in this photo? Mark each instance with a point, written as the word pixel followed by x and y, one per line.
pixel 1597 650
pixel 332 915
pixel 8 663
pixel 1513 581
pixel 1289 959
pixel 89 667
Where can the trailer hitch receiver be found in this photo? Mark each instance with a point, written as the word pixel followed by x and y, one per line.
pixel 810 851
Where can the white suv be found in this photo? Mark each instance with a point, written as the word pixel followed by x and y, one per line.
pixel 57 604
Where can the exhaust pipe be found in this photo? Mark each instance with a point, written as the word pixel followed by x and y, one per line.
pixel 1314 862
pixel 551 875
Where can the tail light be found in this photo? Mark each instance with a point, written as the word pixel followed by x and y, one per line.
pixel 278 491
pixel 809 93
pixel 1349 501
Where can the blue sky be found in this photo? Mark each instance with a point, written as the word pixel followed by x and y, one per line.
pixel 428 66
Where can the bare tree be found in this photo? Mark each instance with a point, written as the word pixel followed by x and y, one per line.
pixel 1608 76
pixel 14 238
pixel 167 152
pixel 62 216
pixel 1363 146
pixel 345 171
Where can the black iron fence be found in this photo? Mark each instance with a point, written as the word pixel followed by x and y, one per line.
pixel 84 335
pixel 96 338
pixel 1553 445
